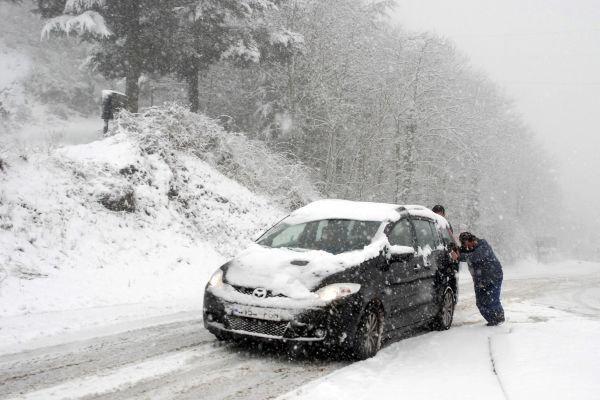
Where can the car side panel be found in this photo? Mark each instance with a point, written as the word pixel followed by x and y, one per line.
pixel 373 276
pixel 428 275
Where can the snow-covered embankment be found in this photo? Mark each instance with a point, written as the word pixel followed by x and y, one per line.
pixel 126 227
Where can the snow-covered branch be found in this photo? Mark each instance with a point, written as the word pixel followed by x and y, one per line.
pixel 87 22
pixel 246 52
pixel 79 6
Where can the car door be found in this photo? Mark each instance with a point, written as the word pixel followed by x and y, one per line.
pixel 427 266
pixel 401 282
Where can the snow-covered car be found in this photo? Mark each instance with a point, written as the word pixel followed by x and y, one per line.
pixel 340 273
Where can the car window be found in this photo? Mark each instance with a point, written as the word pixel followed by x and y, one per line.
pixel 435 233
pixel 447 239
pixel 288 237
pixel 424 234
pixel 332 235
pixel 401 234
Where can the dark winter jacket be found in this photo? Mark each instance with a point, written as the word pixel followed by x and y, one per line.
pixel 483 264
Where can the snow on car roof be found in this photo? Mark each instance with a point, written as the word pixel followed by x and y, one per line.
pixel 421 211
pixel 358 210
pixel 344 209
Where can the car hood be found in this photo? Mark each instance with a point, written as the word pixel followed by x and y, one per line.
pixel 292 273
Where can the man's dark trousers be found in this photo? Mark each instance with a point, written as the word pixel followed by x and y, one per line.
pixel 487 296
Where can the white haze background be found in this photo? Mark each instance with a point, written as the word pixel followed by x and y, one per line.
pixel 544 53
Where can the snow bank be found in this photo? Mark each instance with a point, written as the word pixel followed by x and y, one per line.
pixel 110 223
pixel 249 162
pixel 448 365
pixel 551 360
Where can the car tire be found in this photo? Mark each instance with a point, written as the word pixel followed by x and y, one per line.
pixel 369 333
pixel 443 319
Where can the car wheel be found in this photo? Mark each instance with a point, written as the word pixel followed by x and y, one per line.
pixel 367 341
pixel 443 320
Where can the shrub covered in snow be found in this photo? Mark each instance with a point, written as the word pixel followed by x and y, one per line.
pixel 161 130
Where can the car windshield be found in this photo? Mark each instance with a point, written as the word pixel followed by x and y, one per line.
pixel 332 235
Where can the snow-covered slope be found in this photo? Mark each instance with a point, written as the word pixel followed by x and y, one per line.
pixel 110 223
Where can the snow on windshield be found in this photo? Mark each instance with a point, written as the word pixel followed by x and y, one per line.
pixel 331 235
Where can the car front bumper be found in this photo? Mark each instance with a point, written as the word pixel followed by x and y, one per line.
pixel 334 323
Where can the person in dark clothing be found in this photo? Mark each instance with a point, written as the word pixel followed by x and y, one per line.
pixel 112 102
pixel 448 235
pixel 439 209
pixel 487 275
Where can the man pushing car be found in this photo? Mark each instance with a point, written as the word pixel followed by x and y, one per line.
pixel 487 275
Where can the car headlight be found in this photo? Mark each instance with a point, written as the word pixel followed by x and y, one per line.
pixel 337 291
pixel 216 280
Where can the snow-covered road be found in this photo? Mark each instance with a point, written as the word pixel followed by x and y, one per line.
pixel 176 360
pixel 553 318
pixel 547 349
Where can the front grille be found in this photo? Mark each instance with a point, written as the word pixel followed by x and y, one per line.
pixel 271 328
pixel 249 291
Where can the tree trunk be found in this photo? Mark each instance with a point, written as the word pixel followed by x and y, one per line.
pixel 134 61
pixel 473 201
pixel 398 172
pixel 408 160
pixel 192 93
pixel 132 88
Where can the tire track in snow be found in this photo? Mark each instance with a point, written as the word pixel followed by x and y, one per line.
pixel 234 373
pixel 176 361
pixel 107 380
pixel 493 362
pixel 40 368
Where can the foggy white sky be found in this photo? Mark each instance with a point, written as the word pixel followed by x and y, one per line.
pixel 546 55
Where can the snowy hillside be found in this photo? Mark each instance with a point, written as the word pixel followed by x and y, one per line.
pixel 113 222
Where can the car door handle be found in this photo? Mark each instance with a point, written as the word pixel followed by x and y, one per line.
pixel 417 267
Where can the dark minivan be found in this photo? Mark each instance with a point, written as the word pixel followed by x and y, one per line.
pixel 338 272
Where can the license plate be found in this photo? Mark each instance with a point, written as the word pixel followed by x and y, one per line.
pixel 269 314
